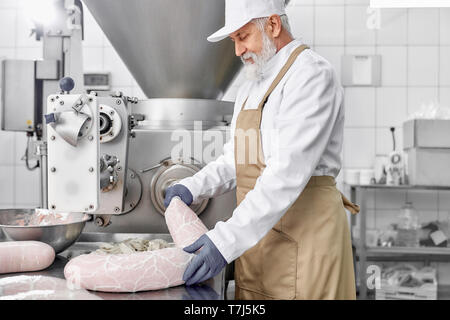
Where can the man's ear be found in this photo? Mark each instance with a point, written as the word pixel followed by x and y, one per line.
pixel 275 25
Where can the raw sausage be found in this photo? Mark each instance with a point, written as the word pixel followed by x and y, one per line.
pixel 140 271
pixel 38 287
pixel 184 225
pixel 23 256
pixel 129 272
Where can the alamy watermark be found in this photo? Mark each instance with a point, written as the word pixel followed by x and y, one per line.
pixel 204 146
pixel 374 280
pixel 373 21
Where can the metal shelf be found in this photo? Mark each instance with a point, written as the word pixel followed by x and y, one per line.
pixel 388 251
pixel 401 187
pixel 365 254
pixel 443 293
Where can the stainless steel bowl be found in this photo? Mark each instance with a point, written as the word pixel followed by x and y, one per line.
pixel 59 236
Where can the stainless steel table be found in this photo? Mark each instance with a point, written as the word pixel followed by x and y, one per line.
pixel 212 289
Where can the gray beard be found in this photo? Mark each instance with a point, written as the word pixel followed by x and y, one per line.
pixel 254 71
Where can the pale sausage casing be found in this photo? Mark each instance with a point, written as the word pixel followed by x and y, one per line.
pixel 24 256
pixel 141 271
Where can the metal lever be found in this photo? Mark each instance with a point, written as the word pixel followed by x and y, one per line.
pixel 151 168
pixel 166 162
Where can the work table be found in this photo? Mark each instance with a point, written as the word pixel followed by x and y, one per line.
pixel 212 289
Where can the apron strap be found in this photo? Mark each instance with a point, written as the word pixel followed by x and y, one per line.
pixel 282 73
pixel 280 76
pixel 245 102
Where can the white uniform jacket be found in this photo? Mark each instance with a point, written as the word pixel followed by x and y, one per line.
pixel 301 133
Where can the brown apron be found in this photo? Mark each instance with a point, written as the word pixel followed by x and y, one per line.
pixel 308 253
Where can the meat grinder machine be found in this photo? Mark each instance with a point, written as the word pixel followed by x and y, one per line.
pixel 111 155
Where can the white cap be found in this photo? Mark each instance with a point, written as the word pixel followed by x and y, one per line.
pixel 240 12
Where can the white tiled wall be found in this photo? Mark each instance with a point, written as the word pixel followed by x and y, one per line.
pixel 415 49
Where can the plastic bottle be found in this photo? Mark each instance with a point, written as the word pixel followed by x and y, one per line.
pixel 408 227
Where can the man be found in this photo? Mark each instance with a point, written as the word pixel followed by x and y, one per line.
pixel 289 233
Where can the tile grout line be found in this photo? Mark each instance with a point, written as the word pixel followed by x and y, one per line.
pixel 376 111
pixel 407 61
pixel 439 57
pixel 345 89
pixel 376 126
pixel 439 85
pixel 16 28
pixel 14 184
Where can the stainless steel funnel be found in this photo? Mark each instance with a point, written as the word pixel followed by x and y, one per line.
pixel 163 43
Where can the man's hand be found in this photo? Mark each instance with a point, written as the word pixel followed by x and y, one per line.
pixel 207 264
pixel 178 190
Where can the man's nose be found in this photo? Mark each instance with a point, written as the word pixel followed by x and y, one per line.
pixel 239 49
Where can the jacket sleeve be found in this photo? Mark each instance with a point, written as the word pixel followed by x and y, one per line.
pixel 311 102
pixel 218 176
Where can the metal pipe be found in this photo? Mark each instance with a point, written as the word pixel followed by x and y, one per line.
pixel 42 152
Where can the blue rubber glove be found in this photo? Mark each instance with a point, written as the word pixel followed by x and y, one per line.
pixel 178 190
pixel 207 263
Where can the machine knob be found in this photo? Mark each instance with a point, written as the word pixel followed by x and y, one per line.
pixel 66 84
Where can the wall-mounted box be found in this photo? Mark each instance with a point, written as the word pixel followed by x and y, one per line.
pixel 18 95
pixel 428 166
pixel 361 70
pixel 22 82
pixel 97 81
pixel 427 145
pixel 426 133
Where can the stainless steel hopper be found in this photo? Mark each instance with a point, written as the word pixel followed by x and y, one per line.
pixel 163 43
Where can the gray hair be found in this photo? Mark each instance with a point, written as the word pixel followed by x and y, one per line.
pixel 261 23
